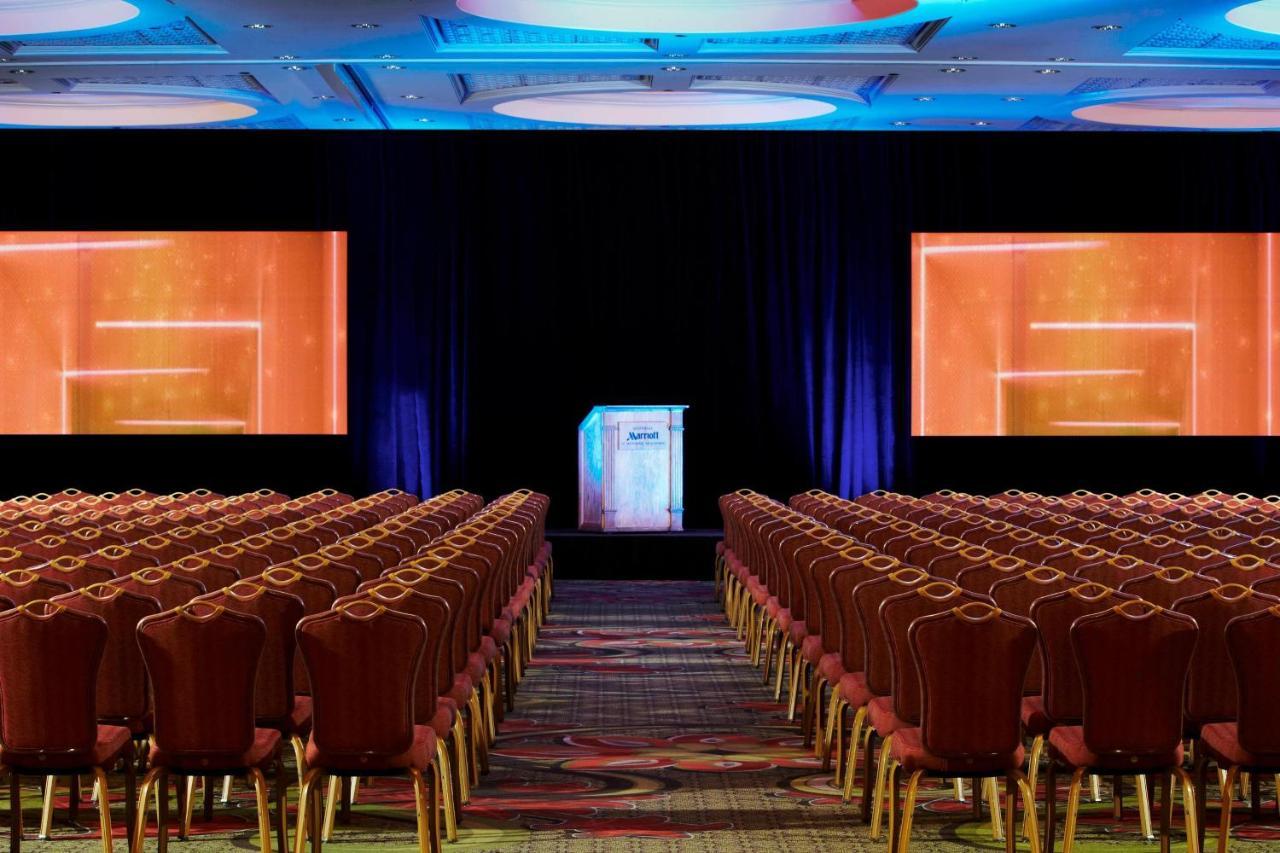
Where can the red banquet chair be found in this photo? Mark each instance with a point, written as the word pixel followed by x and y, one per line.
pixel 205 714
pixel 50 724
pixel 1251 742
pixel 1168 585
pixel 165 587
pixel 365 661
pixel 968 723
pixel 74 571
pixel 22 586
pixel 1132 721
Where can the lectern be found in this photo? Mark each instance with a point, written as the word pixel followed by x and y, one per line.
pixel 631 468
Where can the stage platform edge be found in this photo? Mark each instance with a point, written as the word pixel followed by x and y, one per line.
pixel 681 555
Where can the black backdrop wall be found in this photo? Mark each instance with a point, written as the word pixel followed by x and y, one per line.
pixel 500 285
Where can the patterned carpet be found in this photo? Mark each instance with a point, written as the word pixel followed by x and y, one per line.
pixel 641 727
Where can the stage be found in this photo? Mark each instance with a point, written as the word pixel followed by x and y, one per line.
pixel 682 555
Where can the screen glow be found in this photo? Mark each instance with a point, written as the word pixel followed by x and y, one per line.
pixel 1094 334
pixel 173 332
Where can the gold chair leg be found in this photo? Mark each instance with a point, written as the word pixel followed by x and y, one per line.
pixel 1073 809
pixel 226 789
pixel 462 755
pixel 992 789
pixel 1033 774
pixel 957 786
pixel 908 809
pixel 835 713
pixel 446 787
pixel 331 807
pixel 1191 814
pixel 140 821
pixel 784 657
pixel 1142 794
pixel 46 807
pixel 1095 782
pixel 355 789
pixel 767 647
pixel 188 806
pixel 877 799
pixel 1029 808
pixel 264 807
pixel 299 756
pixel 798 667
pixel 104 809
pixel 304 805
pixel 857 738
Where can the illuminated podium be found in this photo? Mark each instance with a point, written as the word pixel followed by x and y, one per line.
pixel 631 468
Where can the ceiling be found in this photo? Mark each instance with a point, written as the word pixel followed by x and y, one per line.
pixel 883 65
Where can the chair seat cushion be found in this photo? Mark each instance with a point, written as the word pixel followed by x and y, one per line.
pixel 771 606
pixel 1067 744
pixel 1035 722
pixel 798 631
pixel 418 756
pixel 111 743
pixel 909 749
pixel 460 692
pixel 783 618
pixel 265 747
pixel 831 668
pixel 1221 742
pixel 720 548
pixel 759 593
pixel 476 665
pixel 300 718
pixel 853 689
pixel 489 646
pixel 501 631
pixel 810 648
pixel 885 721
pixel 442 722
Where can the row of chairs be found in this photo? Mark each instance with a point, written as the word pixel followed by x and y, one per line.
pixel 393 545
pixel 827 612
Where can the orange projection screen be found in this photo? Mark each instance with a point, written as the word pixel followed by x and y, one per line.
pixel 1093 334
pixel 229 332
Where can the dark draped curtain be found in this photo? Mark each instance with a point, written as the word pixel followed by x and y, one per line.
pixel 500 288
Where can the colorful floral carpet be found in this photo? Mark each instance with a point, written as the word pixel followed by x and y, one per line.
pixel 642 726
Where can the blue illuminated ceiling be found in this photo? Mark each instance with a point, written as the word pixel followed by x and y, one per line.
pixel 884 65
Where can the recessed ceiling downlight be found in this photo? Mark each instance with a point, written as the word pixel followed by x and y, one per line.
pixel 660 109
pixel 1200 112
pixel 1262 16
pixel 686 16
pixel 101 109
pixel 27 17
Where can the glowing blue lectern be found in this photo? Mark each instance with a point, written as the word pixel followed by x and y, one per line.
pixel 631 468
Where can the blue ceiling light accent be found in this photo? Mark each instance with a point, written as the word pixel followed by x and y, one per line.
pixel 934 65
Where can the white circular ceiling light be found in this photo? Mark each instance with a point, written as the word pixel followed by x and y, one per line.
pixel 686 16
pixel 689 108
pixel 1262 16
pixel 32 17
pixel 1188 112
pixel 103 109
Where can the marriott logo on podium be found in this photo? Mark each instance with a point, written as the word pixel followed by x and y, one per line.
pixel 642 436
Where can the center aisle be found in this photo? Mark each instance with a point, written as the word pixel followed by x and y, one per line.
pixel 641 725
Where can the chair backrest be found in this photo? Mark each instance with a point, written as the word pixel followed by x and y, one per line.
pixel 210 575
pixel 897 612
pixel 1253 642
pixel 1053 616
pixel 435 676
pixel 280 613
pixel 365 659
pixel 1167 585
pixel 1017 594
pixel 204 703
pixel 1133 698
pixel 1197 558
pixel 867 598
pixel 317 595
pixel 1077 559
pixel 982 577
pixel 238 559
pixel 24 585
pixel 74 571
pixel 122 677
pixel 344 578
pixel 967 710
pixel 1211 695
pixel 165 587
pixel 1246 570
pixel 48 675
pixel 1116 570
